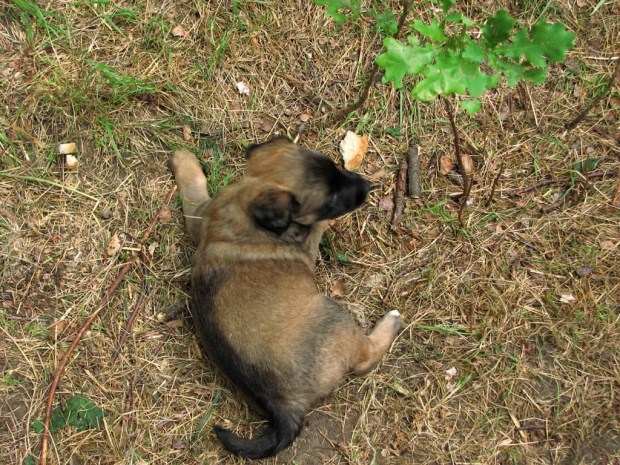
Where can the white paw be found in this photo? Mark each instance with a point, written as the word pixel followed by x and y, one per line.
pixel 394 313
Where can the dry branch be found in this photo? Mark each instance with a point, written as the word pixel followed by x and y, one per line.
pixel 494 186
pixel 86 325
pixel 399 195
pixel 465 172
pixel 560 181
pixel 413 158
pixel 373 72
pixel 130 321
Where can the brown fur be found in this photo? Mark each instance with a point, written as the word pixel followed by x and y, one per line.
pixel 254 299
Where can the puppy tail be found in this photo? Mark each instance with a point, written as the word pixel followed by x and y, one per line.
pixel 283 429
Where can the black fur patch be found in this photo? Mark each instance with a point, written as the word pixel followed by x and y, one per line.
pixel 346 190
pixel 272 210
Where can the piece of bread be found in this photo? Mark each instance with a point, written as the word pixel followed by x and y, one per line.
pixel 353 148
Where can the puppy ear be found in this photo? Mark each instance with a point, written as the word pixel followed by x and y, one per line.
pixel 272 210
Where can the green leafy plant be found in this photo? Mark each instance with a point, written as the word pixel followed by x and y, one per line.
pixel 446 60
pixel 449 61
pixel 78 411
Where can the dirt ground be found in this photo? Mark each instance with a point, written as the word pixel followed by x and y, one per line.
pixel 492 367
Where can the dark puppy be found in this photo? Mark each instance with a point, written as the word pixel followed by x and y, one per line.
pixel 254 300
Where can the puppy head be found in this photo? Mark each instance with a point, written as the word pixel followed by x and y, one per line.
pixel 298 185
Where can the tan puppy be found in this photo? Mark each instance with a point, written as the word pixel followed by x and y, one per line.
pixel 254 301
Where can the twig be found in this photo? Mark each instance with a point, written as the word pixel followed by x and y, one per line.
pixel 407 270
pixel 131 319
pixel 373 72
pixel 495 181
pixel 558 181
pixel 610 84
pixel 459 159
pixel 413 157
pixel 86 325
pixel 399 195
pixel 566 196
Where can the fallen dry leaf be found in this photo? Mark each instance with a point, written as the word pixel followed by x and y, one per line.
pixel 584 271
pixel 445 165
pixel 187 133
pixel 468 164
pixel 304 118
pixel 387 203
pixel 151 248
pixel 381 173
pixel 165 214
pixel 353 148
pixel 179 31
pixel 338 289
pixel 115 244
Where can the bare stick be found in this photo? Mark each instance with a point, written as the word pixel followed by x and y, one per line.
pixel 595 101
pixel 86 325
pixel 495 181
pixel 409 269
pixel 565 197
pixel 413 157
pixel 373 72
pixel 559 181
pixel 130 321
pixel 399 194
pixel 459 159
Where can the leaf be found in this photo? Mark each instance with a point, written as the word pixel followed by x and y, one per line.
pixel 473 53
pixel 446 4
pixel 445 165
pixel 550 41
pixel 471 106
pixel 179 31
pixel 400 59
pixel 498 28
pixel 83 413
pixel 385 22
pixel 433 31
pixel 338 289
pixel 387 203
pixel 442 77
pixel 57 421
pixel 587 166
pixel 29 460
pixel 115 244
pixel 37 426
pixel 342 257
pixel 351 7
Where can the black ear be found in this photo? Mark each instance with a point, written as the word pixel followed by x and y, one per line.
pixel 272 210
pixel 252 148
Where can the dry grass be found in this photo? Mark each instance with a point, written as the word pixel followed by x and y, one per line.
pixel 537 381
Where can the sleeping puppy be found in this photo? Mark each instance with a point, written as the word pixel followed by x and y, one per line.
pixel 254 301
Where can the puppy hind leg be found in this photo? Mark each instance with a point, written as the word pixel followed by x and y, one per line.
pixel 372 347
pixel 192 185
